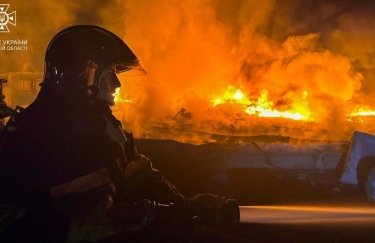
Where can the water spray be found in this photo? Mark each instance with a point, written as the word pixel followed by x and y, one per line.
pixel 306 214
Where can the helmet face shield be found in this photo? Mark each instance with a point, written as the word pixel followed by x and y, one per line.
pixel 107 86
pixel 131 70
pixel 109 80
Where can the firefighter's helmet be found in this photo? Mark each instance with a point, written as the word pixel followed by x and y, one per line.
pixel 80 56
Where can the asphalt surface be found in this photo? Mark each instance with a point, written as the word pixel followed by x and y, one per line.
pixel 281 207
pixel 308 233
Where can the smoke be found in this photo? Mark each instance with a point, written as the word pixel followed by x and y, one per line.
pixel 315 56
pixel 304 53
pixel 38 21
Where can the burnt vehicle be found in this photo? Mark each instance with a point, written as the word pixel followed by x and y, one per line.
pixel 269 169
pixel 358 167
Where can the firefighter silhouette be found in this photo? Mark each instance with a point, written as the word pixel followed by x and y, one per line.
pixel 69 172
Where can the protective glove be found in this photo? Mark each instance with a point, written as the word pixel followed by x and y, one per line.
pixel 141 164
pixel 206 201
pixel 214 210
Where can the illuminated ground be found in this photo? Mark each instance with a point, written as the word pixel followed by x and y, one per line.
pixel 203 168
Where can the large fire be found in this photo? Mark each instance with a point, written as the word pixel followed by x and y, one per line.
pixel 243 67
pixel 253 108
pixel 262 106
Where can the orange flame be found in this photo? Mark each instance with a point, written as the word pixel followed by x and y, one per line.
pixel 232 96
pixel 119 98
pixel 363 111
pixel 263 107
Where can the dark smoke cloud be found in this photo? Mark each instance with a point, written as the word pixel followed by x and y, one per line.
pixel 345 27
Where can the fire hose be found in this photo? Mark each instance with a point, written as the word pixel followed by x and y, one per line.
pixel 231 214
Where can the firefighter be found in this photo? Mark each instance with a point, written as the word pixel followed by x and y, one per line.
pixel 68 171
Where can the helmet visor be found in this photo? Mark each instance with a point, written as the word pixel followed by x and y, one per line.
pixel 130 70
pixel 109 81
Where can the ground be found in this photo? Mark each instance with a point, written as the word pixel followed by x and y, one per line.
pixel 205 168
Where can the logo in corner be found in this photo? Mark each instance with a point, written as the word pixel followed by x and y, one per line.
pixel 6 18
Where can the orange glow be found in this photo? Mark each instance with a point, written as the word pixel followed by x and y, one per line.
pixel 226 67
pixel 363 111
pixel 263 107
pixel 227 76
pixel 232 96
pixel 118 97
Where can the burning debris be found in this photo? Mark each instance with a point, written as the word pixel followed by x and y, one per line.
pixel 235 67
pixel 234 74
